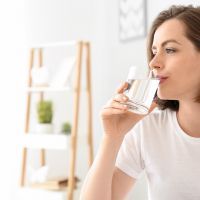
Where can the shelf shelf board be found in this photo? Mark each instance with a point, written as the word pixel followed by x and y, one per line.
pixel 45 141
pixel 47 187
pixel 48 89
pixel 56 185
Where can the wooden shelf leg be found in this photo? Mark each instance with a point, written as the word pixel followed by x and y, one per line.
pixel 89 101
pixel 28 105
pixel 74 132
pixel 42 151
pixel 23 170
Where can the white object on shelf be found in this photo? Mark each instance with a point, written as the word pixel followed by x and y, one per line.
pixel 38 175
pixel 45 176
pixel 40 75
pixel 44 128
pixel 64 73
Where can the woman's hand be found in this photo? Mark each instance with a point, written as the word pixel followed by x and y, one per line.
pixel 116 118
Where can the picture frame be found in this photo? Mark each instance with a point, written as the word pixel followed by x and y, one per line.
pixel 132 19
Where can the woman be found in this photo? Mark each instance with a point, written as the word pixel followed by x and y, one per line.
pixel 165 144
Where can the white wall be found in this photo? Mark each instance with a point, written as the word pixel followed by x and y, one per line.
pixel 35 21
pixel 11 79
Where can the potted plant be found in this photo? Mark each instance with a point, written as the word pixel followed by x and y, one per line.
pixel 66 128
pixel 45 115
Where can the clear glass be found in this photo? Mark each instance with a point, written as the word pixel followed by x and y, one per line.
pixel 141 93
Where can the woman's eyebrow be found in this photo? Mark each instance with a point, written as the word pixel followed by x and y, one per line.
pixel 166 42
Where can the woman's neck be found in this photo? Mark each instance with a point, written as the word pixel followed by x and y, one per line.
pixel 188 117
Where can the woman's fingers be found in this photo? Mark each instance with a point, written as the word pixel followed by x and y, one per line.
pixel 115 105
pixel 122 88
pixel 120 98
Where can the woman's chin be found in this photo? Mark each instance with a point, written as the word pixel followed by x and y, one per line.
pixel 163 96
pixel 167 94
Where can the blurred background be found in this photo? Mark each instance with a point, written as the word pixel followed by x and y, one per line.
pixel 116 31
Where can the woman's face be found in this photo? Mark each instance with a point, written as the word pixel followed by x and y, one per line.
pixel 176 62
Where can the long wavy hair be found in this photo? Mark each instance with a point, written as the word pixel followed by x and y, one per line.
pixel 188 15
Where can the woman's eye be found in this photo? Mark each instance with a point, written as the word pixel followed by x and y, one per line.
pixel 170 50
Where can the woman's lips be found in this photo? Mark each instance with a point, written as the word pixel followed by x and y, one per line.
pixel 161 78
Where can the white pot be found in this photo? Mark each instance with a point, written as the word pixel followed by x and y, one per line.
pixel 44 128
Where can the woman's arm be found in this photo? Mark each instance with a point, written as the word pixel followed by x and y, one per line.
pixel 104 181
pixel 121 184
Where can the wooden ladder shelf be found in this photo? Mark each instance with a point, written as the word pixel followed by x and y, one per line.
pixel 81 47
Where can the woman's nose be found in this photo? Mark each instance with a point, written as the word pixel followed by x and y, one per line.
pixel 155 63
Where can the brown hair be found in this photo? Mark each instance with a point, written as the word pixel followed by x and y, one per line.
pixel 190 16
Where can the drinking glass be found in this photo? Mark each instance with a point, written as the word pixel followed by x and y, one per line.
pixel 141 91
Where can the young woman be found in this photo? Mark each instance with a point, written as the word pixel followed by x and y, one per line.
pixel 165 144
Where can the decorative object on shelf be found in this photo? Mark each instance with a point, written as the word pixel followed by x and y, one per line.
pixel 66 128
pixel 40 76
pixel 38 175
pixel 64 73
pixel 45 115
pixel 132 19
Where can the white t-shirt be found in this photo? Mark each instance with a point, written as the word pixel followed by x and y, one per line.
pixel 170 157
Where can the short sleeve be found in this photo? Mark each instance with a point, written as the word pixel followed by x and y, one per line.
pixel 129 158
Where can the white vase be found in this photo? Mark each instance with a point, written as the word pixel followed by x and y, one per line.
pixel 44 128
pixel 40 76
